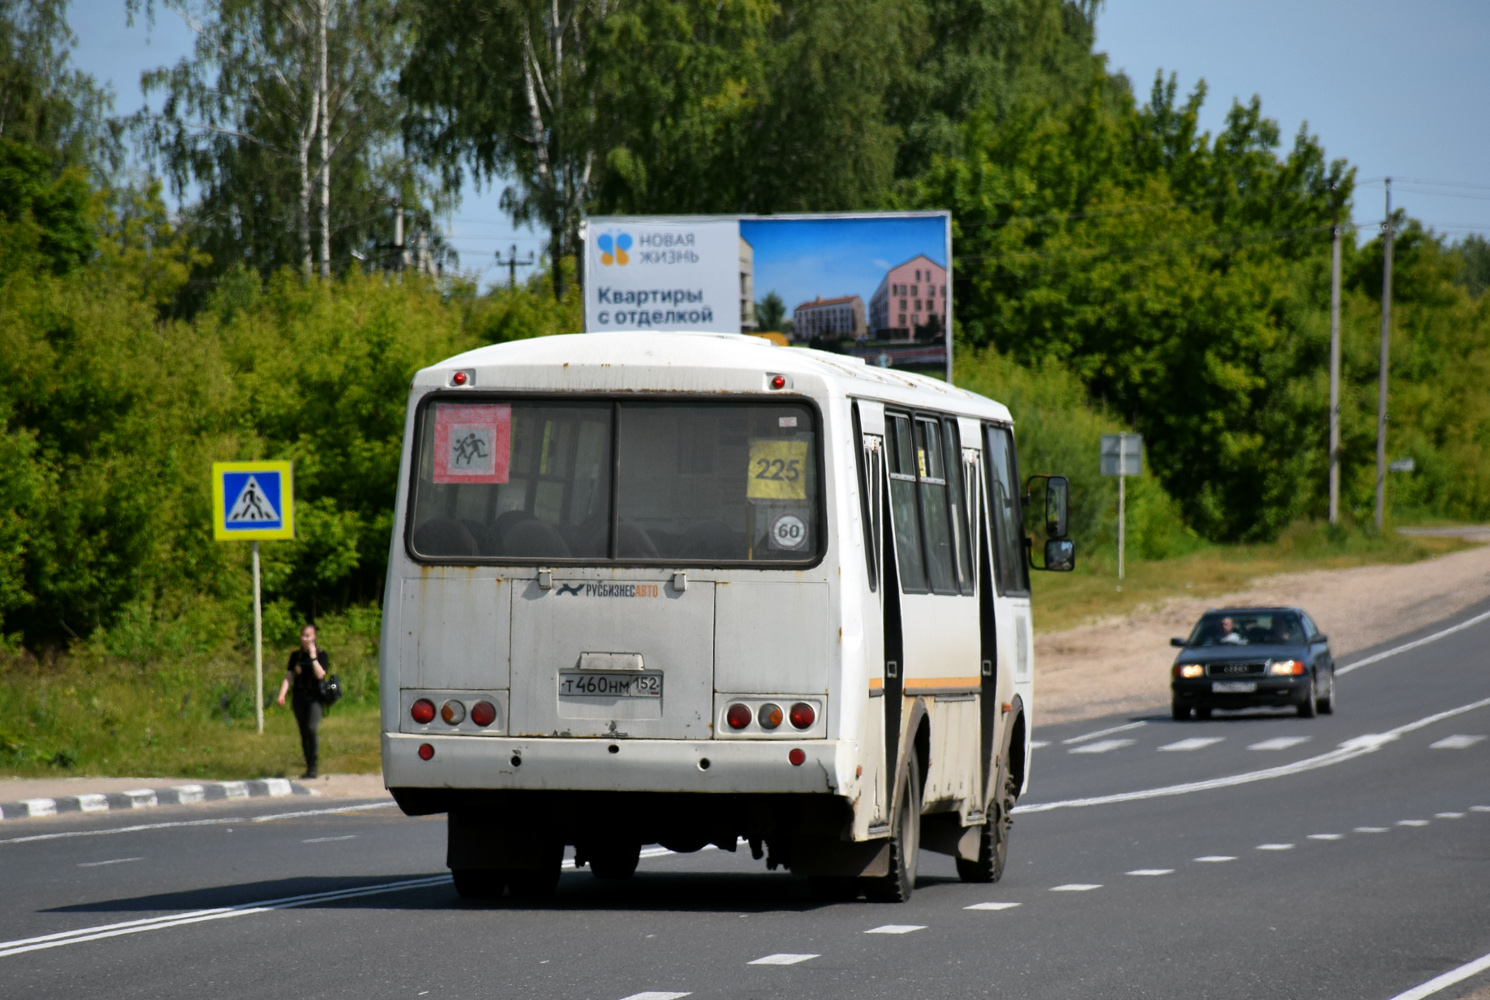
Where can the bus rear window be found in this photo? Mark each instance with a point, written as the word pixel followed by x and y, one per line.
pixel 694 482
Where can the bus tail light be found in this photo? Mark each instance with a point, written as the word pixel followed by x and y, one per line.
pixel 738 716
pixel 483 713
pixel 802 715
pixel 770 715
pixel 453 712
pixel 423 712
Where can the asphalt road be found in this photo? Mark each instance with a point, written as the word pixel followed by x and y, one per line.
pixel 1254 855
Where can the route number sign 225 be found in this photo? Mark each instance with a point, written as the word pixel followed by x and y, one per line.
pixel 778 470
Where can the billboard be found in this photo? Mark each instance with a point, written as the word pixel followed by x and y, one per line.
pixel 877 285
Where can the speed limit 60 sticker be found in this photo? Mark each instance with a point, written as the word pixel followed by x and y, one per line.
pixel 788 531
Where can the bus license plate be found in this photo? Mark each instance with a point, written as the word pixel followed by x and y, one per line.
pixel 596 684
pixel 1233 687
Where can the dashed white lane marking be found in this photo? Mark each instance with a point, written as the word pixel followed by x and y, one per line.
pixel 1194 743
pixel 100 931
pixel 1448 815
pixel 657 995
pixel 1349 750
pixel 896 929
pixel 1152 871
pixel 1075 887
pixel 328 840
pixel 1279 743
pixel 325 812
pixel 1446 980
pixel 991 906
pixel 1037 744
pixel 123 829
pixel 1412 822
pixel 784 958
pixel 1326 836
pixel 1216 858
pixel 1370 829
pixel 1455 742
pixel 1103 732
pixel 1274 847
pixel 111 861
pixel 1479 809
pixel 1101 746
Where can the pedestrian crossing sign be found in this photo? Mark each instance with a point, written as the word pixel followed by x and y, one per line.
pixel 252 501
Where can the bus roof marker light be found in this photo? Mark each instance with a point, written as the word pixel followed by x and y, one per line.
pixel 803 715
pixel 797 757
pixel 778 381
pixel 460 379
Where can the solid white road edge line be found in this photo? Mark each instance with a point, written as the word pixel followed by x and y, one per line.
pixel 1414 644
pixel 1446 980
pixel 98 932
pixel 124 829
pixel 324 812
pixel 1349 750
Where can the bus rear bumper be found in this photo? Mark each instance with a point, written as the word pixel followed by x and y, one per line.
pixel 551 763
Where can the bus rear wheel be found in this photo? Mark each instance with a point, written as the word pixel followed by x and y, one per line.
pixel 539 882
pixel 479 883
pixel 905 842
pixel 615 859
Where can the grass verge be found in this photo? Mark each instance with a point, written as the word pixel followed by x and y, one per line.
pixel 1064 600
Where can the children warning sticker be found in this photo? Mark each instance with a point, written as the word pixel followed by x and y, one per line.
pixel 473 442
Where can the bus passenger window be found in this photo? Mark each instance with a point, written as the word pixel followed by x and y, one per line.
pixel 1004 507
pixel 931 462
pixel 902 446
pixel 958 502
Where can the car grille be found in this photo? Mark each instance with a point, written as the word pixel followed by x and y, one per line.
pixel 1254 669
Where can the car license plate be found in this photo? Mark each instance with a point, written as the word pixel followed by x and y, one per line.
pixel 1233 687
pixel 599 684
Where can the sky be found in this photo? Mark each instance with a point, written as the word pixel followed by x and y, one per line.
pixel 1398 89
pixel 803 259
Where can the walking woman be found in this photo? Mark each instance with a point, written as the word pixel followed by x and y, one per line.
pixel 308 667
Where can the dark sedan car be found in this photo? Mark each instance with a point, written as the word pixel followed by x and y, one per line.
pixel 1249 657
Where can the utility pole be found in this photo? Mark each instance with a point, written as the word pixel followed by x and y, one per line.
pixel 1381 387
pixel 1335 370
pixel 512 264
pixel 398 239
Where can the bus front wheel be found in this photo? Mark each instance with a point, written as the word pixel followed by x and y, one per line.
pixel 479 883
pixel 993 840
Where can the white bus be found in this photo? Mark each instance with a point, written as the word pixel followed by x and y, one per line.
pixel 694 589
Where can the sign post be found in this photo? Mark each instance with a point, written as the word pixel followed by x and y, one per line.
pixel 1122 456
pixel 253 501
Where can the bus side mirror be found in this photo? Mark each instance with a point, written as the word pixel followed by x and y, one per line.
pixel 1060 555
pixel 1057 503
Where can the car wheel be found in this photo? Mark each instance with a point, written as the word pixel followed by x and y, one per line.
pixel 905 843
pixel 1202 711
pixel 1326 705
pixel 1307 706
pixel 1178 712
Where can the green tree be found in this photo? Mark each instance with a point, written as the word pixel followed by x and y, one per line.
pixel 770 312
pixel 286 118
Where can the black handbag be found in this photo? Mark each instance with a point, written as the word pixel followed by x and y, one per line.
pixel 331 691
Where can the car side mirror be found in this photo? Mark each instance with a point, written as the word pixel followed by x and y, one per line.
pixel 1320 638
pixel 1177 641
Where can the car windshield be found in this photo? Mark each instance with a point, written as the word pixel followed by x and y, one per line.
pixel 1246 628
pixel 694 482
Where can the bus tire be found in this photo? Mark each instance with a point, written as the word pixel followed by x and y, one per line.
pixel 479 883
pixel 615 859
pixel 993 840
pixel 540 882
pixel 905 842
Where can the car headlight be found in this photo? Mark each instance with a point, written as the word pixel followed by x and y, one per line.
pixel 1188 669
pixel 1285 668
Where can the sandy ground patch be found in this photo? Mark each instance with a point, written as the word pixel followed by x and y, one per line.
pixel 1121 664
